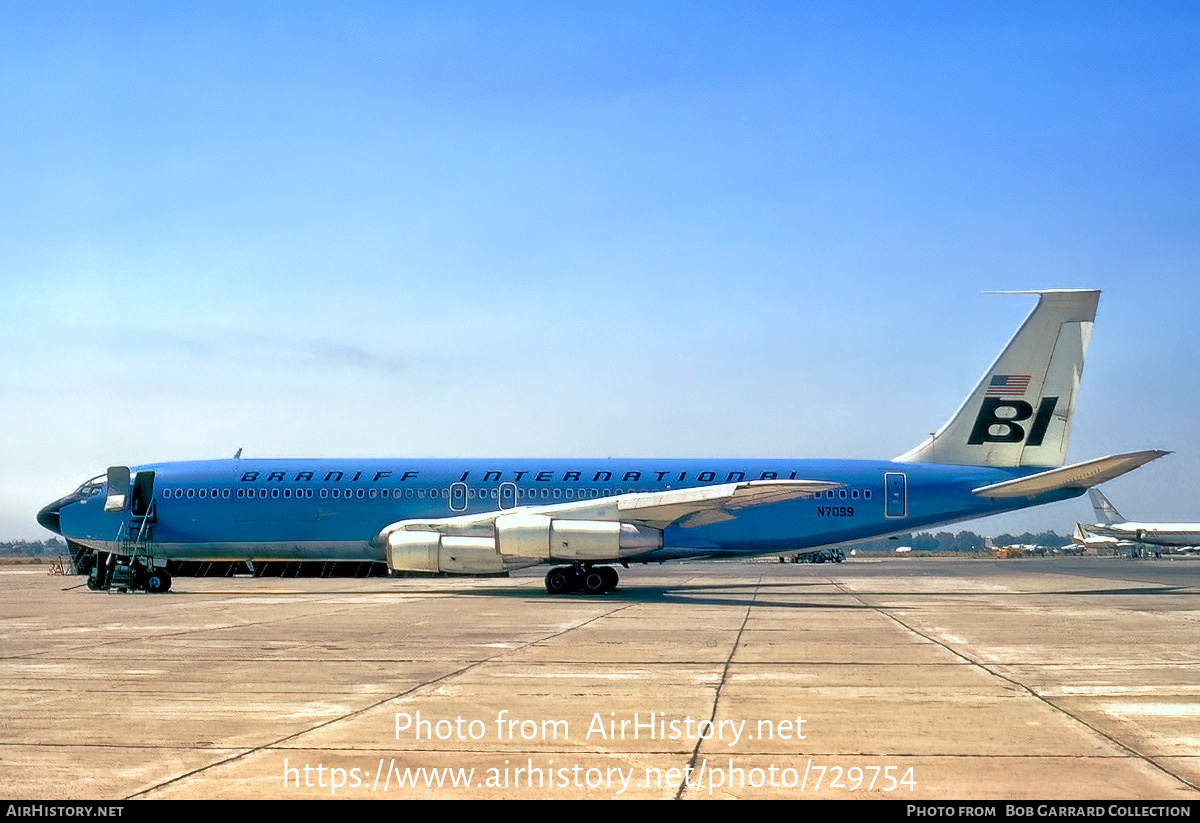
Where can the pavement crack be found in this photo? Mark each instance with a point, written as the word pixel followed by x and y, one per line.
pixel 1020 687
pixel 712 718
pixel 376 704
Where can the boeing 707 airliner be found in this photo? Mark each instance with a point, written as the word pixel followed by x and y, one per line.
pixel 1112 531
pixel 1003 450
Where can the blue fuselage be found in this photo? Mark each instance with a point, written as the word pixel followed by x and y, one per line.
pixel 327 509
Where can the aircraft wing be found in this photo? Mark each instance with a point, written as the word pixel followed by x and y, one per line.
pixel 1078 475
pixel 685 507
pixel 710 504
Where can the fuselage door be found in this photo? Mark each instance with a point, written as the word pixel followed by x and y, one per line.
pixel 143 493
pixel 895 486
pixel 508 495
pixel 458 497
pixel 118 489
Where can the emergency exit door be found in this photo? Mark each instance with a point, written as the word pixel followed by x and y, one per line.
pixel 895 487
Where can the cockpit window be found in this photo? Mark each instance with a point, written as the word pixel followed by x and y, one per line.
pixel 92 486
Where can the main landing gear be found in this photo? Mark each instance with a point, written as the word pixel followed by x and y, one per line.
pixel 583 578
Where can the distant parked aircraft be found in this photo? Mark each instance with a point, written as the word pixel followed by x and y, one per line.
pixel 1113 531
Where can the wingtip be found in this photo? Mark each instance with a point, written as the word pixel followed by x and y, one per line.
pixel 1154 454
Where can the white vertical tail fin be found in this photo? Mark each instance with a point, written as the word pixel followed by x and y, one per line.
pixel 1020 412
pixel 1105 513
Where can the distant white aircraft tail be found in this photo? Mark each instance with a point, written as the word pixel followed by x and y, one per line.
pixel 1105 513
pixel 1020 412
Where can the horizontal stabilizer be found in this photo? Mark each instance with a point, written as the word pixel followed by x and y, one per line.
pixel 1079 475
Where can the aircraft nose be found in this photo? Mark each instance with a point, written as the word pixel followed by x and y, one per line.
pixel 48 516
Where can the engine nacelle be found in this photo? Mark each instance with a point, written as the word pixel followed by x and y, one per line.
pixel 546 538
pixel 521 540
pixel 418 551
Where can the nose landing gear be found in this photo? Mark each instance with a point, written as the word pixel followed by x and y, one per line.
pixel 127 574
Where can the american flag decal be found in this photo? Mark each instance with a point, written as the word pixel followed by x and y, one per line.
pixel 1008 385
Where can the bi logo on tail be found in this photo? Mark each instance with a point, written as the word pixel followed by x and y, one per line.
pixel 1002 411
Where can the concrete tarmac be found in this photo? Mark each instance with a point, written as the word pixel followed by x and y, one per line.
pixel 1072 678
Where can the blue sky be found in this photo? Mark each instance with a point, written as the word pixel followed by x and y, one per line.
pixel 522 229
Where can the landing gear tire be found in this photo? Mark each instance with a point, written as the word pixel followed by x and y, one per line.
pixel 611 578
pixel 158 581
pixel 560 581
pixel 594 581
pixel 584 579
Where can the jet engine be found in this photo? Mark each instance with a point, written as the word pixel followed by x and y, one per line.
pixel 421 551
pixel 548 538
pixel 520 540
